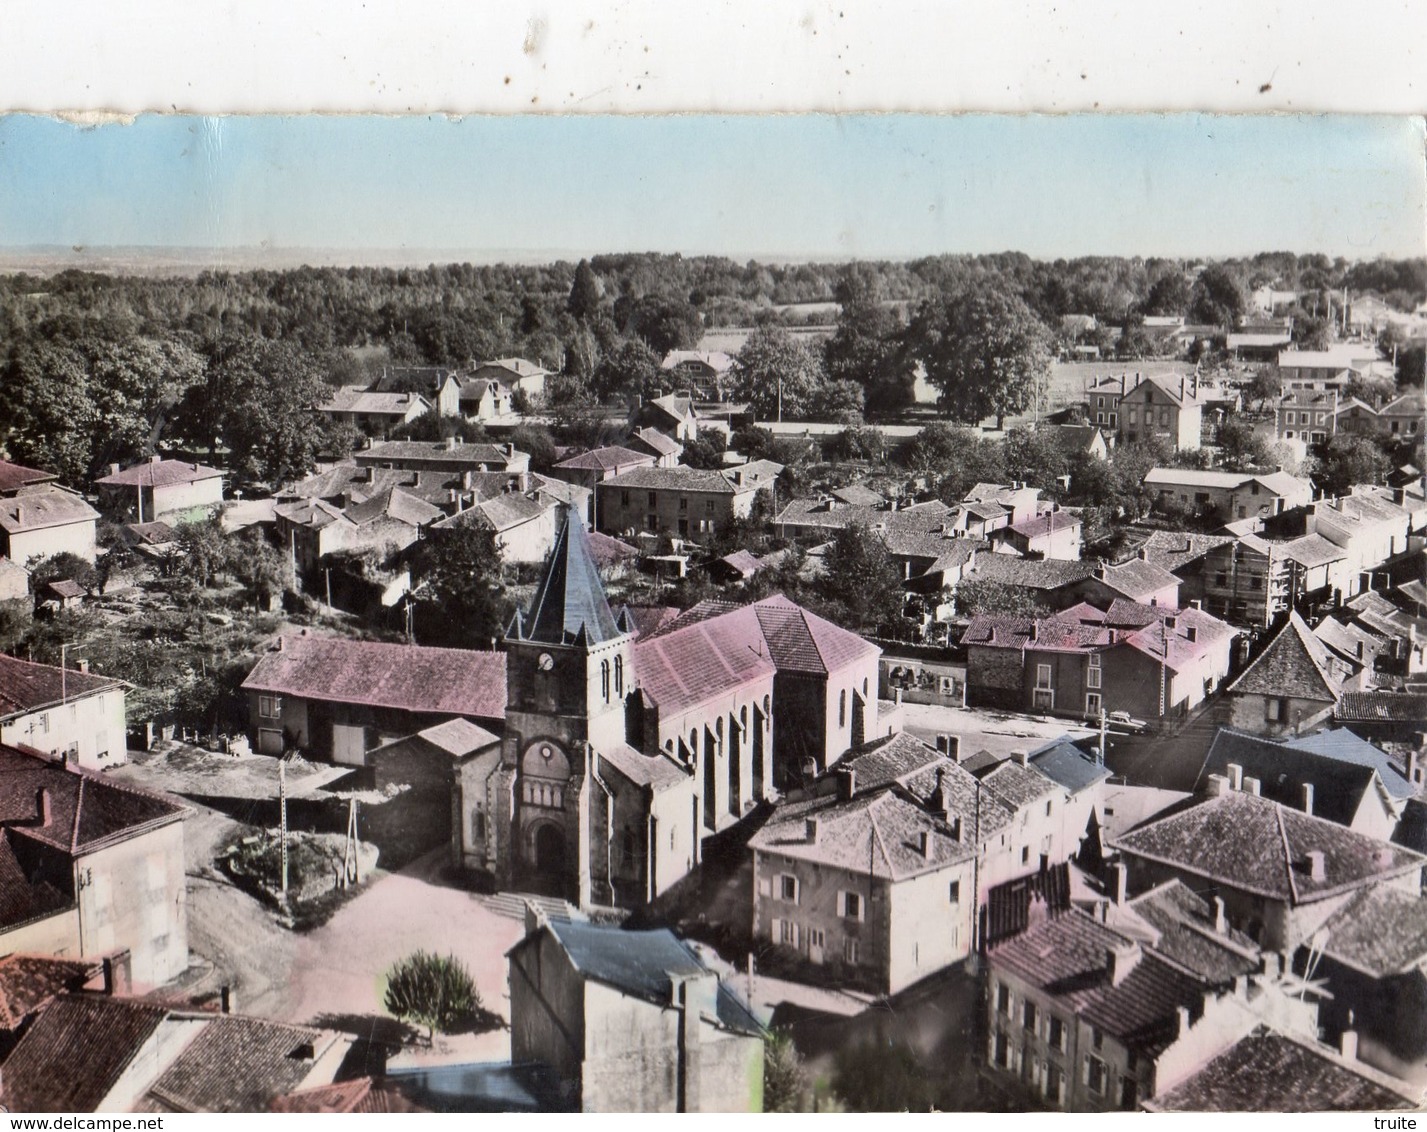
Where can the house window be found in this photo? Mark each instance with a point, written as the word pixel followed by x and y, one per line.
pixel 1221 578
pixel 1055 1035
pixel 1003 1052
pixel 270 707
pixel 653 499
pixel 788 888
pixel 624 497
pixel 1134 416
pixel 604 680
pixel 851 952
pixel 1054 1084
pixel 1003 999
pixel 1050 807
pixel 619 676
pixel 1097 1039
pixel 1164 418
pixel 1028 1015
pixel 955 894
pixel 788 933
pixel 1096 1077
pixel 1092 674
pixel 1288 417
pixel 1129 1093
pixel 1025 854
pixel 683 503
pixel 817 939
pixel 1275 709
pixel 849 905
pixel 1042 676
pixel 1093 704
pixel 478 825
pixel 709 506
pixel 842 708
pixel 1042 699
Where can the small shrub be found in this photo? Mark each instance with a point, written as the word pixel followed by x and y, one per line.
pixel 432 990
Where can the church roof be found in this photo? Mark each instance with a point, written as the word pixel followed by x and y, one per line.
pixel 570 603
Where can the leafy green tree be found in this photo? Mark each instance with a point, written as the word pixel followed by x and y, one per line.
pixel 1218 299
pixel 1169 295
pixel 585 292
pixel 264 571
pixel 1265 386
pixel 431 990
pixel 1036 456
pixel 1242 447
pixel 883 1076
pixel 538 442
pixel 457 587
pixel 431 425
pixel 985 349
pixel 664 323
pixel 705 450
pixel 866 347
pixel 787 1083
pixel 49 418
pixel 862 583
pixel 1347 460
pixel 203 552
pixel 982 595
pixel 63 567
pixel 778 375
pixel 632 369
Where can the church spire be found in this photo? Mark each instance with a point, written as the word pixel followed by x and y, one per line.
pixel 570 606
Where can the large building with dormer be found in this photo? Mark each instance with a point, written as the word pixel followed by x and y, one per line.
pixel 624 751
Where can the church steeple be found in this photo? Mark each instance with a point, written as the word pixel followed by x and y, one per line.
pixel 569 606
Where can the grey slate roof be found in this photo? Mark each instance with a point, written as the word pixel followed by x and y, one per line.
pixel 1063 762
pixel 1382 931
pixel 1184 922
pixel 570 602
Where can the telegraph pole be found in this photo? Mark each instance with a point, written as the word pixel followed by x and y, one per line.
pixel 282 822
pixel 1103 727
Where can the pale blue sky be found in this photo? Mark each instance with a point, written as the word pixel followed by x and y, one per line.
pixel 796 186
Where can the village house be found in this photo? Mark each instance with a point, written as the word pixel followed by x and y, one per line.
pixel 1052 534
pixel 1226 495
pixel 524 524
pixel 1371 529
pixel 1084 440
pixel 1399 419
pixel 1167 406
pixel 515 374
pixel 14 581
pixel 1382 716
pixel 484 399
pixel 1281 873
pixel 623 750
pixel 1292 686
pixel 673 414
pixel 145 1056
pixel 337 699
pixel 1258 345
pixel 665 450
pixel 1306 416
pixel 100 864
pixel 45 521
pixel 70 715
pixel 687 502
pixel 161 487
pixel 1331 774
pixel 631 1021
pixel 600 464
pixel 701 373
pixel 1254 580
pixel 1154 663
pixel 388 521
pixel 376 414
pixel 437 385
pixel 15 478
pixel 1331 368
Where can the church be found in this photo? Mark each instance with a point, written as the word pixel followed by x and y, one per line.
pixel 625 749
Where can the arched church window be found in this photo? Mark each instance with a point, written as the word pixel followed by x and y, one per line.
pixel 604 680
pixel 619 676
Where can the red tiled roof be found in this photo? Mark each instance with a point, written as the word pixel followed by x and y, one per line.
pixel 28 982
pixel 87 812
pixel 405 677
pixel 611 456
pixel 20 900
pixel 1295 663
pixel 15 476
pixel 47 507
pixel 359 1095
pixel 75 1052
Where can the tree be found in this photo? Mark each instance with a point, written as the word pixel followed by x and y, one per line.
pixel 862 582
pixel 986 351
pixel 537 441
pixel 982 595
pixel 1217 297
pixel 866 347
pixel 1267 385
pixel 61 567
pixel 787 1084
pixel 1035 456
pixel 264 571
pixel 1242 447
pixel 705 450
pixel 431 990
pixel 665 323
pixel 457 590
pixel 585 292
pixel 202 551
pixel 1169 295
pixel 50 418
pixel 777 374
pixel 630 370
pixel 1347 460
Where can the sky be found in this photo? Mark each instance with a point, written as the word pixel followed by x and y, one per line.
pixel 776 187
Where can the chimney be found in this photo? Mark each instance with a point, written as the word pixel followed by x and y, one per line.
pixel 1120 960
pixel 1308 798
pixel 1119 882
pixel 227 999
pixel 924 844
pixel 846 783
pixel 1252 786
pixel 279 644
pixel 956 829
pixel 1216 785
pixel 897 696
pixel 1348 1045
pixel 1414 768
pixel 1236 776
pixel 1101 571
pixel 113 469
pixel 1315 865
pixel 1221 924
pixel 534 918
pixel 1191 634
pixel 42 806
pixel 1032 635
pixel 1181 1019
pixel 450 444
pixel 1022 758
pixel 1142 554
pixel 117 973
pixel 811 829
pixel 155 459
pixel 82 665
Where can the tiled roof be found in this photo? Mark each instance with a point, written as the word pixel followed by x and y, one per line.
pixel 611 456
pixel 657 771
pixel 1311 550
pixel 876 834
pixel 518 366
pixel 892 758
pixel 1346 638
pixel 742 562
pixel 75 1051
pixel 1138 578
pixel 607 550
pixel 1186 935
pixel 156 533
pixel 715 359
pixel 21 900
pixel 460 454
pixel 315 513
pixel 1295 663
pixel 677 478
pixel 1254 844
pixel 1338 785
pixel 676 405
pixel 1272 1072
pixel 1381 707
pixel 1173 550
pixel 499 513
pixel 394 504
pixel 800 641
pixel 1046 524
pixel 405 677
pixel 359 1095
pixel 1067 957
pixel 15 476
pixel 680 665
pixel 664 445
pixel 649 619
pixel 569 604
pixel 1342 745
pixel 1019 786
pixel 161 473
pixel 87 812
pixel 1382 931
pixel 455 737
pixel 859 495
pixel 45 507
pixel 66 588
pixel 28 982
pixel 1044 574
pixel 236 1064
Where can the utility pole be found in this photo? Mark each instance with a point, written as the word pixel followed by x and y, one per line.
pixel 64 671
pixel 1104 724
pixel 282 822
pixel 328 571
